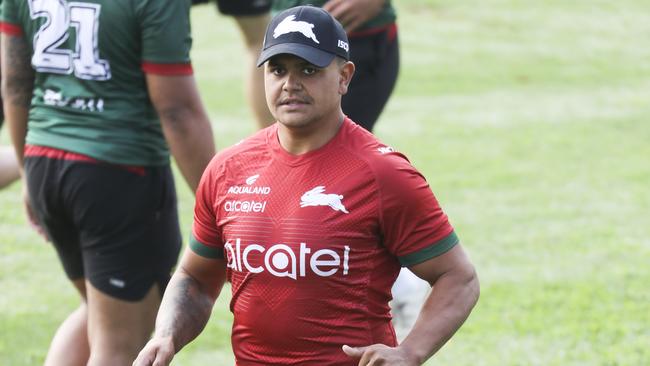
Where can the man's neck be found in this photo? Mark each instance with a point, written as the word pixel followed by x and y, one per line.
pixel 299 141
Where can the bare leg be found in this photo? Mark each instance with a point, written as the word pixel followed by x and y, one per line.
pixel 253 28
pixel 69 346
pixel 9 172
pixel 118 329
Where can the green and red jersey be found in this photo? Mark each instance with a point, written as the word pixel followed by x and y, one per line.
pixel 90 58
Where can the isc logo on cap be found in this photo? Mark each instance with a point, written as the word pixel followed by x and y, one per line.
pixel 344 45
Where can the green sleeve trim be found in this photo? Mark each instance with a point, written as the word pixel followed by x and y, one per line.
pixel 440 247
pixel 204 250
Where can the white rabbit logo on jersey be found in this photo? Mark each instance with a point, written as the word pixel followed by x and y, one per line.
pixel 289 25
pixel 317 197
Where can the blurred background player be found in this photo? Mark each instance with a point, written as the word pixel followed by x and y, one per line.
pixel 96 96
pixel 9 171
pixel 310 220
pixel 251 17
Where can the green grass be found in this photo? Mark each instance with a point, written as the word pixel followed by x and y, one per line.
pixel 530 121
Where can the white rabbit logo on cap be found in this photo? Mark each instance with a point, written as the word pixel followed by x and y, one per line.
pixel 289 25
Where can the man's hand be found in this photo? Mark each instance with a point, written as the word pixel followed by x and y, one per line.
pixel 353 13
pixel 380 354
pixel 159 351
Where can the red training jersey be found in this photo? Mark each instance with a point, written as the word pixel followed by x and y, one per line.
pixel 314 242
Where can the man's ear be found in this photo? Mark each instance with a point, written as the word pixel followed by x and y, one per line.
pixel 346 72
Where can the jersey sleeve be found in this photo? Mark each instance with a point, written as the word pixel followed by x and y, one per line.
pixel 414 227
pixel 206 237
pixel 9 22
pixel 166 39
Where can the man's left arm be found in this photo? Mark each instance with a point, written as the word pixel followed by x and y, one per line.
pixel 454 294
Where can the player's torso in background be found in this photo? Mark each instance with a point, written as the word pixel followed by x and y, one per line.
pixel 308 269
pixel 386 16
pixel 90 93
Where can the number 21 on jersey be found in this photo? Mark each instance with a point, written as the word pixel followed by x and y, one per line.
pixel 60 16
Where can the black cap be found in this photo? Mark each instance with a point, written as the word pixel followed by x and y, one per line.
pixel 308 32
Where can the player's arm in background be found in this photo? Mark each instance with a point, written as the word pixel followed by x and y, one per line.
pixel 353 13
pixel 9 169
pixel 455 291
pixel 185 307
pixel 17 89
pixel 184 122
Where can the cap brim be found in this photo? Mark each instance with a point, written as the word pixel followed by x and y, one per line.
pixel 312 55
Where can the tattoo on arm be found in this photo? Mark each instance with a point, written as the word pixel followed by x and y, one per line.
pixel 18 73
pixel 184 312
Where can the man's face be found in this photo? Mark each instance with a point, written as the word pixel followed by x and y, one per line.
pixel 300 94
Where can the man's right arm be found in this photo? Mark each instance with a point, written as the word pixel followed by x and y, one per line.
pixel 185 308
pixel 17 89
pixel 184 122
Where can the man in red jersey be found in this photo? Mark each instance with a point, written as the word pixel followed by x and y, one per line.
pixel 311 220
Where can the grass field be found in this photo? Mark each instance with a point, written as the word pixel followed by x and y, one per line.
pixel 530 121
